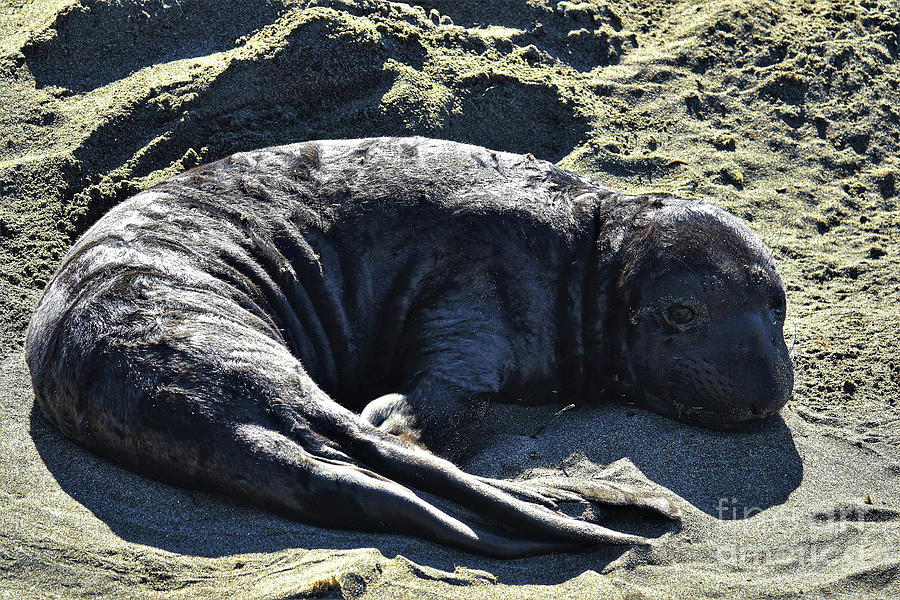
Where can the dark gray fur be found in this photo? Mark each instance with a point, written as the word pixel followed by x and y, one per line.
pixel 222 329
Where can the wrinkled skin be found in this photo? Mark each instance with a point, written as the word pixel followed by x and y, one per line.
pixel 317 328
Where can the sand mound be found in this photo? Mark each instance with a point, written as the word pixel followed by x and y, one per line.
pixel 785 113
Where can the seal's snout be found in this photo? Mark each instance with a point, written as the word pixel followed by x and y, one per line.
pixel 745 373
pixel 711 394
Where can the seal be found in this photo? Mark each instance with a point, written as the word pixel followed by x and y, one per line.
pixel 317 328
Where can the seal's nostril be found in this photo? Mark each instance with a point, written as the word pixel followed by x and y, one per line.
pixel 756 409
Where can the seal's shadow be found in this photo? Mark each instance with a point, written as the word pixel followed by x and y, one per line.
pixel 727 475
pixel 758 468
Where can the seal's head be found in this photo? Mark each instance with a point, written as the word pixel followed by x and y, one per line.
pixel 698 319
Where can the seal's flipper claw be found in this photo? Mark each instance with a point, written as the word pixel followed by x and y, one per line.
pixel 664 506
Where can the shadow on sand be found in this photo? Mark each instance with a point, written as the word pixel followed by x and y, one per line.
pixel 757 468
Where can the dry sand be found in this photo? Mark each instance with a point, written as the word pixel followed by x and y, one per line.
pixel 786 113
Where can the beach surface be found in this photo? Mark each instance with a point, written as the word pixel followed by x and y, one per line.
pixel 785 113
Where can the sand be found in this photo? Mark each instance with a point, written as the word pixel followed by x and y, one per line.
pixel 786 113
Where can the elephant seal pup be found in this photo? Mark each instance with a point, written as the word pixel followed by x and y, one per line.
pixel 223 329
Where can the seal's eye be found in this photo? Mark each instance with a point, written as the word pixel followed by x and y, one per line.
pixel 680 314
pixel 778 307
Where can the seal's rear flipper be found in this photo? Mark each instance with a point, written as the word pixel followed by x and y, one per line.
pixel 419 469
pixel 333 493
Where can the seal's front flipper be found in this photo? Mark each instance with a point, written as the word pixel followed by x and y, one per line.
pixel 434 414
pixel 393 414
